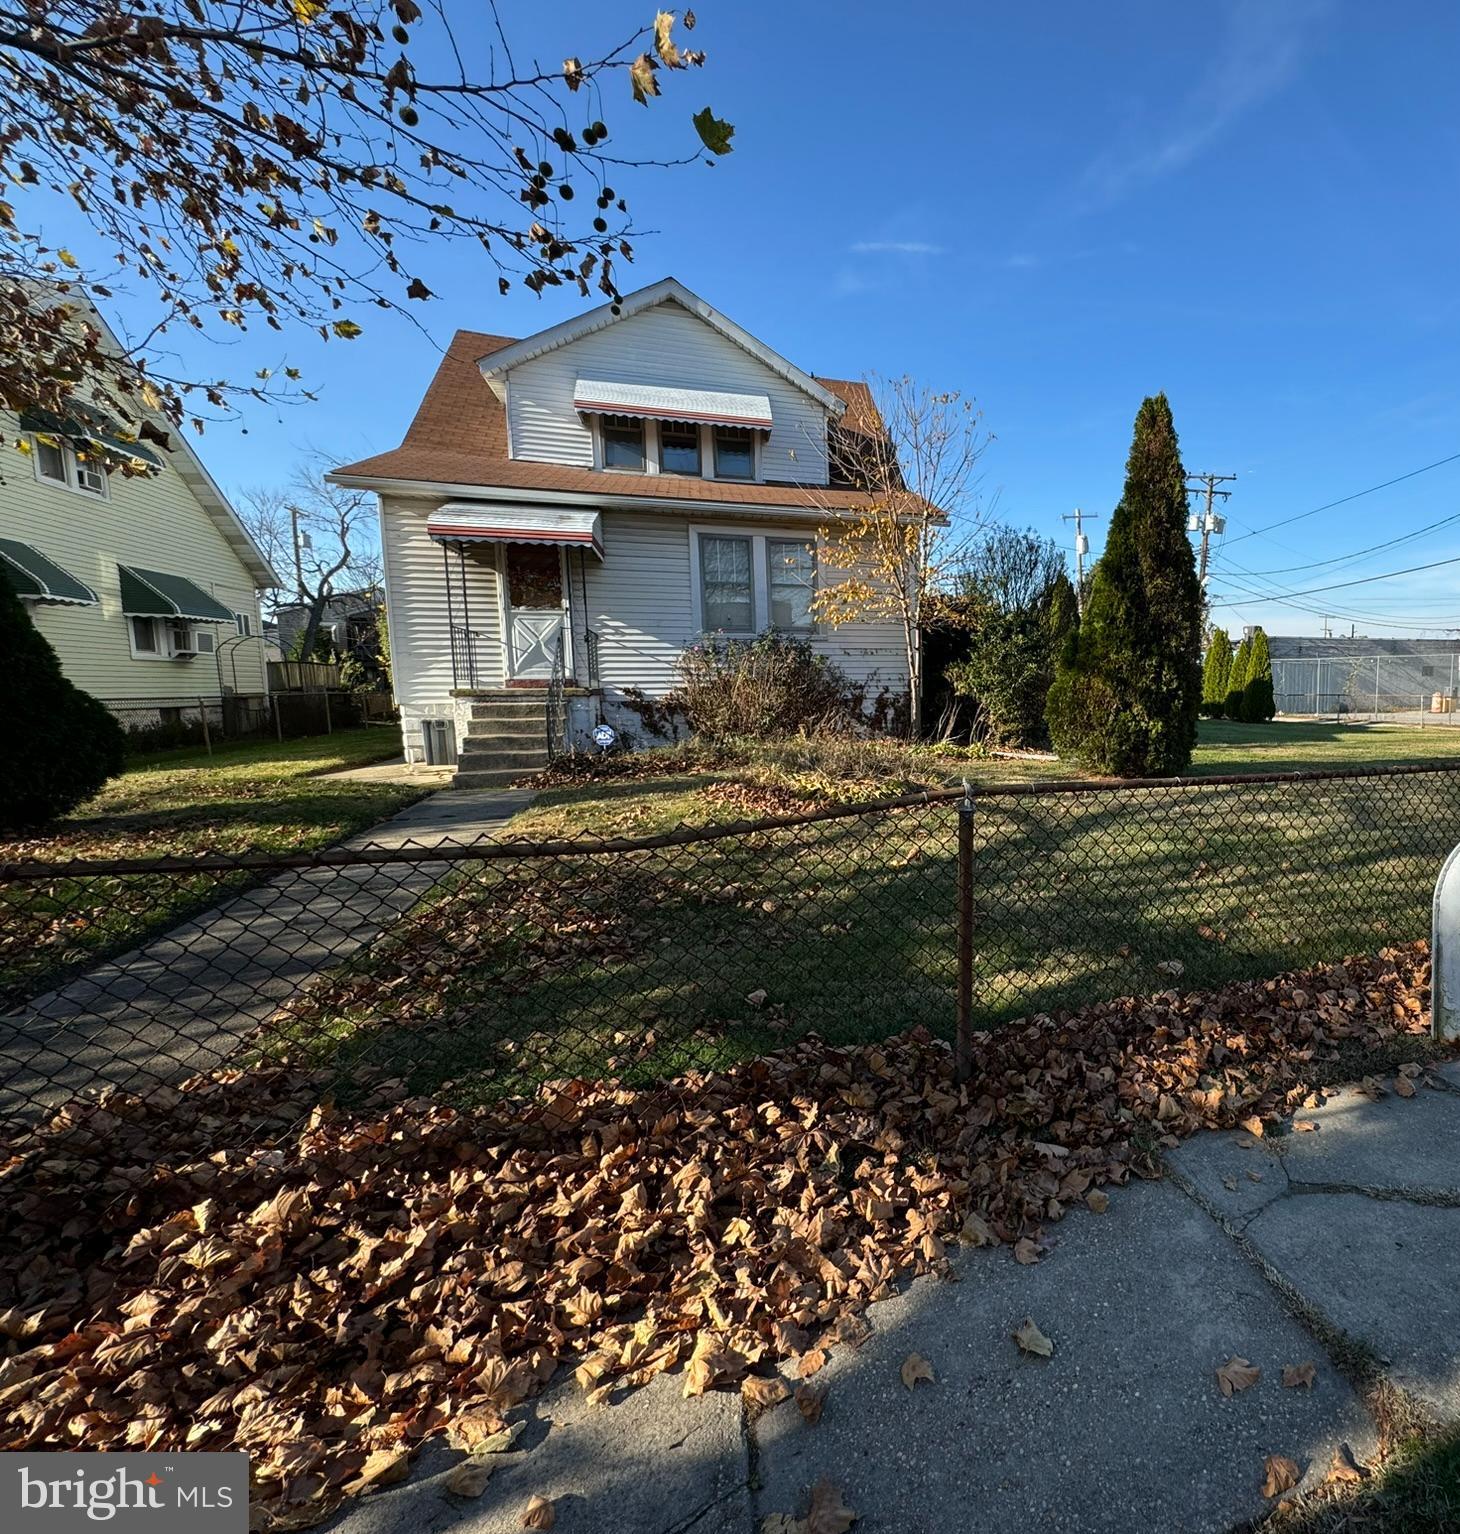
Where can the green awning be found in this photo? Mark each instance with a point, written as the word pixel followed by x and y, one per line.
pixel 150 594
pixel 98 430
pixel 36 579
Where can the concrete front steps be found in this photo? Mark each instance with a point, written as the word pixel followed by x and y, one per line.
pixel 505 738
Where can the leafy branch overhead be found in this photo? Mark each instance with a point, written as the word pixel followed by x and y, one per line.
pixel 284 163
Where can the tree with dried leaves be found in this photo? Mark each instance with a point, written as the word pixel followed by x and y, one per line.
pixel 919 478
pixel 322 534
pixel 283 162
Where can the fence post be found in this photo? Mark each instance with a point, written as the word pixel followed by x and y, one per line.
pixel 203 715
pixel 278 718
pixel 329 724
pixel 963 1038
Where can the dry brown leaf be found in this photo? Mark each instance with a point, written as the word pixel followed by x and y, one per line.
pixel 1253 1126
pixel 1026 1251
pixel 761 1394
pixel 810 1399
pixel 1304 1126
pixel 1403 1086
pixel 540 1514
pixel 811 1363
pixel 1345 1467
pixel 1282 1475
pixel 1097 1201
pixel 828 1514
pixel 975 1232
pixel 1032 1340
pixel 1300 1375
pixel 782 1523
pixel 384 1467
pixel 1236 1375
pixel 470 1477
pixel 914 1368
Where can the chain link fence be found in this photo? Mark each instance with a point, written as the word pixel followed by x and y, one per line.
pixel 480 972
pixel 1419 688
pixel 163 723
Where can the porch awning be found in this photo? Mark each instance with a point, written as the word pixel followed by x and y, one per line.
pixel 474 522
pixel 97 429
pixel 662 404
pixel 151 594
pixel 35 578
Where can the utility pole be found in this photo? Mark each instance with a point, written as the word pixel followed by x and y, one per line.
pixel 1082 548
pixel 1206 522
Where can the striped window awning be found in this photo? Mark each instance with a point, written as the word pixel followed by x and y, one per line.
pixel 152 594
pixel 474 522
pixel 713 406
pixel 97 431
pixel 34 578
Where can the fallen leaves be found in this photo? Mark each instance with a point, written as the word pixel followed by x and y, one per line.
pixel 1282 1474
pixel 1403 1086
pixel 360 1283
pixel 1236 1375
pixel 470 1477
pixel 1032 1340
pixel 760 1395
pixel 1300 1376
pixel 1345 1468
pixel 916 1368
pixel 828 1512
pixel 1097 1201
pixel 540 1514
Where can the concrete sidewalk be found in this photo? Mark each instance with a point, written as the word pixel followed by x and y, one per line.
pixel 1267 1250
pixel 182 1002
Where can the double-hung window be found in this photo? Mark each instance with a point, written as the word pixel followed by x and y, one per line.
pixel 623 442
pixel 734 453
pixel 59 463
pixel 726 584
pixel 679 447
pixel 791 582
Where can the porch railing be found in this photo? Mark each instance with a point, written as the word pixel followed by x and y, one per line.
pixel 466 671
pixel 590 652
pixel 557 704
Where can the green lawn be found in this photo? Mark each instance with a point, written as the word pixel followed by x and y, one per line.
pixel 646 962
pixel 1282 747
pixel 256 797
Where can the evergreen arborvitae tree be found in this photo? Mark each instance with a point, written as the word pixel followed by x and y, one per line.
pixel 1237 680
pixel 1062 614
pixel 1126 694
pixel 1258 705
pixel 1214 674
pixel 59 744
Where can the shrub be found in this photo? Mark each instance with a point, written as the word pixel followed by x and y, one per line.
pixel 1214 675
pixel 59 744
pixel 1258 704
pixel 1237 681
pixel 773 684
pixel 1128 686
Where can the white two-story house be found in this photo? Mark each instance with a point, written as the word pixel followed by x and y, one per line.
pixel 133 565
pixel 581 505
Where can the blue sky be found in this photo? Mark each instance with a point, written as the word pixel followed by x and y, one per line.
pixel 1057 209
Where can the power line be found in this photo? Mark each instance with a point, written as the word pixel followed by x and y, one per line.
pixel 1367 580
pixel 1343 500
pixel 1338 559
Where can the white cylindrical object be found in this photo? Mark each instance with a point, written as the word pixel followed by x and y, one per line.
pixel 1445 952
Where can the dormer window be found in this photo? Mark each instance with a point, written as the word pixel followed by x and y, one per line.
pixel 623 443
pixel 679 448
pixel 734 453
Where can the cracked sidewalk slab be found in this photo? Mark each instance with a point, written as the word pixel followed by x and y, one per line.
pixel 1123 1428
pixel 653 1463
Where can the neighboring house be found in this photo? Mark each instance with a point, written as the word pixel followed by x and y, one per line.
pixel 581 505
pixel 146 584
pixel 349 621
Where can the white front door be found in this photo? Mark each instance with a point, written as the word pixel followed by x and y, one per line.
pixel 535 640
pixel 534 609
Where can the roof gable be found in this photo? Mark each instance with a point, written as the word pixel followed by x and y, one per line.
pixel 666 291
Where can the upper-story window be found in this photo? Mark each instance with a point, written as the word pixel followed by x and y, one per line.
pixel 59 463
pixel 734 452
pixel 679 448
pixel 623 442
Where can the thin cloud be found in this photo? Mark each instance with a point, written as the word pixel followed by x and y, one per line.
pixel 897 248
pixel 1260 53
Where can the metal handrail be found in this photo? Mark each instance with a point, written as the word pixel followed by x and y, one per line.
pixel 465 670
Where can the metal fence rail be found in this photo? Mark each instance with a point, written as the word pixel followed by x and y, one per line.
pixel 161 723
pixel 475 972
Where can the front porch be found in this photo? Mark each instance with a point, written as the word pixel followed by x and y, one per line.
pixel 516 600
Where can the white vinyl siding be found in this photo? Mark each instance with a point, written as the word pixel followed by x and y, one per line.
pixel 668 346
pixel 416 608
pixel 152 521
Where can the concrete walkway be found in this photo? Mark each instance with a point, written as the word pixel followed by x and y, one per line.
pixel 182 1002
pixel 1270 1250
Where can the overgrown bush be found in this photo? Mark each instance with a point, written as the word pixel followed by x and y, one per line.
pixel 772 684
pixel 59 744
